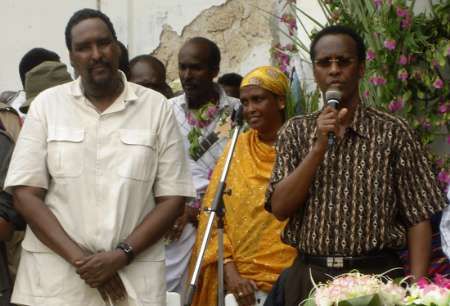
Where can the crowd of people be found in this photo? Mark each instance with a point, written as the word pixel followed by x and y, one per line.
pixel 107 188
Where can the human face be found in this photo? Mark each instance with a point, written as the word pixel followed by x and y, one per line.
pixel 262 110
pixel 95 53
pixel 336 66
pixel 195 74
pixel 143 73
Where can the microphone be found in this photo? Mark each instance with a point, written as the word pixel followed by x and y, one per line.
pixel 332 96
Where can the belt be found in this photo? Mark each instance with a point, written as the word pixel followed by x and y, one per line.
pixel 348 262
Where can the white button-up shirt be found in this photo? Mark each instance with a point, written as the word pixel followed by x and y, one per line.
pixel 102 172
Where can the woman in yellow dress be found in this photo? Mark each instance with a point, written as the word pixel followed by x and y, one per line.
pixel 254 254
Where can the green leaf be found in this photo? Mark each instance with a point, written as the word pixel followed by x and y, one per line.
pixel 368 300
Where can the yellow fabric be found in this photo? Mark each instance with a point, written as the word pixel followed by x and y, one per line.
pixel 269 78
pixel 251 234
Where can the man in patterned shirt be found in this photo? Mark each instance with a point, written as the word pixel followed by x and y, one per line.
pixel 201 113
pixel 351 204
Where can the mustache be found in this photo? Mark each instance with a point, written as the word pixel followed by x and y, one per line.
pixel 97 63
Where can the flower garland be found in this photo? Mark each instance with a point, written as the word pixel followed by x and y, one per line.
pixel 356 289
pixel 199 119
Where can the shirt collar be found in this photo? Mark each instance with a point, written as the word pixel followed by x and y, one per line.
pixel 222 98
pixel 359 123
pixel 128 94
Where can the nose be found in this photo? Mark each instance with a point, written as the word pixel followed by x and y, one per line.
pixel 187 73
pixel 250 107
pixel 96 54
pixel 334 68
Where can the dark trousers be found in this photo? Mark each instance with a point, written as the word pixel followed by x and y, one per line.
pixel 295 285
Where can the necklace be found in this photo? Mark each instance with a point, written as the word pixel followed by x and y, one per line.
pixel 199 119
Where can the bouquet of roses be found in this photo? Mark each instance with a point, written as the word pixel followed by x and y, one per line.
pixel 356 289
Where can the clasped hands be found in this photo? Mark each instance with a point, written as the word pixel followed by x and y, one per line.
pixel 100 271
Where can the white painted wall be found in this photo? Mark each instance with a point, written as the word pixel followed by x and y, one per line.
pixel 27 24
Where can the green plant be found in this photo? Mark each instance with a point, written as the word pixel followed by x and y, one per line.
pixel 408 60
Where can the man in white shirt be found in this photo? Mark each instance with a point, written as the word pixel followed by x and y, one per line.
pixel 203 113
pixel 99 174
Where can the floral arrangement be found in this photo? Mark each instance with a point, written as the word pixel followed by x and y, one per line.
pixel 408 60
pixel 426 293
pixel 200 119
pixel 356 289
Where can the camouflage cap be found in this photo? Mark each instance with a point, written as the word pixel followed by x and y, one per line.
pixel 41 77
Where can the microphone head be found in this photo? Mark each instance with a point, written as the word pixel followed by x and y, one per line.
pixel 333 94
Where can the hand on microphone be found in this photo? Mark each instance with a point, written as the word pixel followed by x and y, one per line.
pixel 329 121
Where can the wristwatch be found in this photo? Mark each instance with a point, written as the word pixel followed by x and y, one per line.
pixel 127 249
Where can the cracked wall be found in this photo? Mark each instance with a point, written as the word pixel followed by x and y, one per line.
pixel 241 29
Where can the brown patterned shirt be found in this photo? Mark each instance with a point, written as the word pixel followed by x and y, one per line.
pixel 372 185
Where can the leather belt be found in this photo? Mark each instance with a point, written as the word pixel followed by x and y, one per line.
pixel 348 262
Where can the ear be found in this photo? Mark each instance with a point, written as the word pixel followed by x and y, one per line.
pixel 215 72
pixel 72 63
pixel 281 102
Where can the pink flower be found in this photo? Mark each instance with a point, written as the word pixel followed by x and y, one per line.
pixel 396 105
pixel 370 55
pixel 403 60
pixel 443 108
pixel 211 111
pixel 438 83
pixel 191 120
pixel 442 281
pixel 406 22
pixel 390 44
pixel 377 80
pixel 366 94
pixel 290 21
pixel 377 3
pixel 422 282
pixel 426 125
pixel 402 75
pixel 402 12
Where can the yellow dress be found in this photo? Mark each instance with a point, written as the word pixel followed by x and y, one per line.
pixel 251 234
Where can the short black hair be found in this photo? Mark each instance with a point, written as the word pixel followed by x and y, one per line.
pixel 150 60
pixel 33 58
pixel 84 14
pixel 340 29
pixel 213 50
pixel 124 63
pixel 230 79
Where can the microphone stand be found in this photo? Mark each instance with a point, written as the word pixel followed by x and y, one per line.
pixel 217 209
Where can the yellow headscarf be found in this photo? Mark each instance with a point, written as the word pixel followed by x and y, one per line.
pixel 269 78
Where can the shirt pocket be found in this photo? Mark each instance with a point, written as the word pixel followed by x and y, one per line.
pixel 65 151
pixel 137 154
pixel 42 273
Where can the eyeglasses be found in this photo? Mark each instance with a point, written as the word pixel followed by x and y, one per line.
pixel 341 62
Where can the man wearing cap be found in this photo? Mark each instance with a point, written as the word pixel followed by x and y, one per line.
pixel 41 77
pixel 10 120
pixel 99 174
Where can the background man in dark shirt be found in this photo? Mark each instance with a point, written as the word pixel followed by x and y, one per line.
pixel 352 203
pixel 9 219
